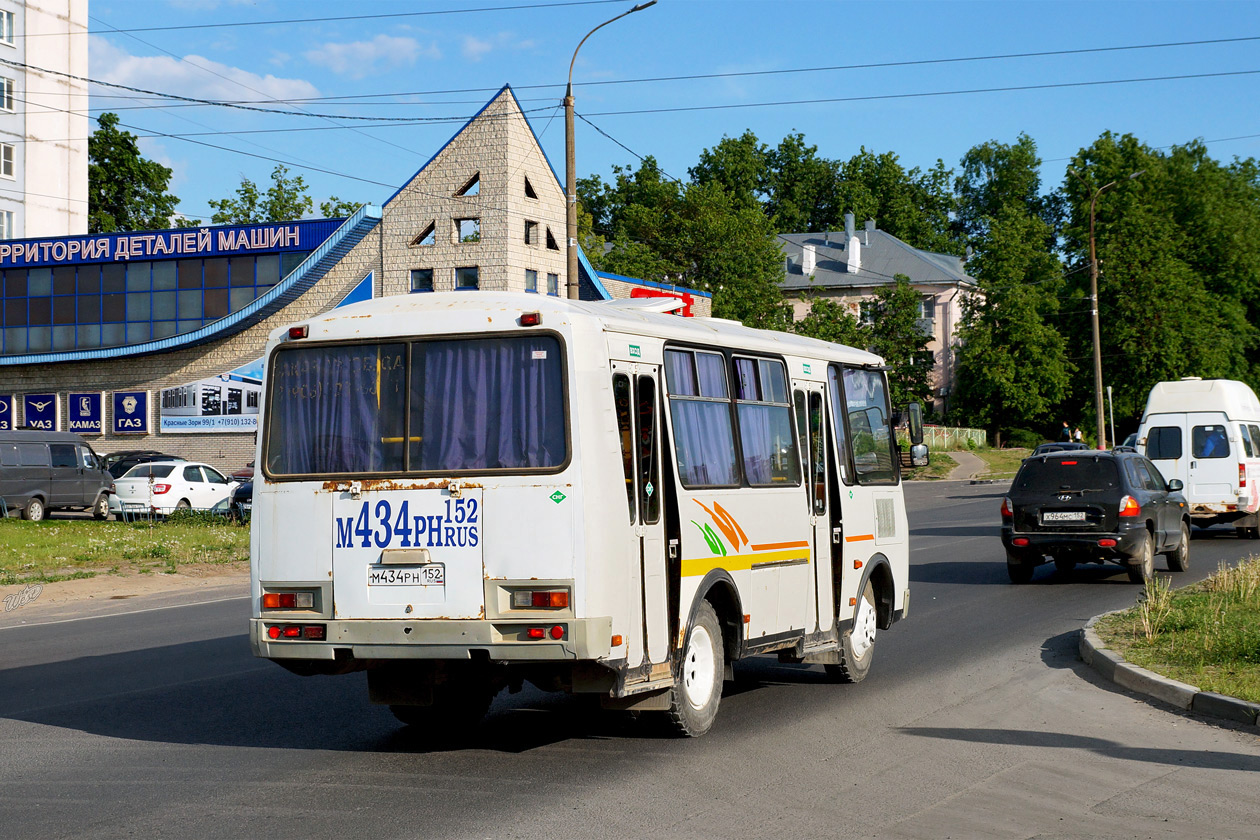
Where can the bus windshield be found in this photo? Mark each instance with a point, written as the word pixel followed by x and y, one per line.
pixel 416 407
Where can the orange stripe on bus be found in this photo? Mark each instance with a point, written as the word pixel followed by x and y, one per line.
pixel 859 538
pixel 773 546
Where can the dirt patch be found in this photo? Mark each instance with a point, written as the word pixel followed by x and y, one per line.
pixel 34 601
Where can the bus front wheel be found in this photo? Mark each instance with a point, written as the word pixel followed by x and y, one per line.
pixel 857 644
pixel 697 691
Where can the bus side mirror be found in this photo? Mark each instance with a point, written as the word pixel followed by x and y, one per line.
pixel 915 413
pixel 918 455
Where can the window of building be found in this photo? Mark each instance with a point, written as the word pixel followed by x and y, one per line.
pixel 6 94
pixel 6 28
pixel 421 279
pixel 553 284
pixel 867 310
pixel 468 230
pixel 529 189
pixel 531 280
pixel 426 236
pixel 927 307
pixel 6 224
pixel 7 167
pixel 925 358
pixel 466 277
pixel 551 242
pixel 473 187
pixel 531 232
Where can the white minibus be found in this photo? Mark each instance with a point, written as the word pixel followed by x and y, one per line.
pixel 1206 432
pixel 459 492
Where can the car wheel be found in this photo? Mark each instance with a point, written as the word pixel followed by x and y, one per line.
pixel 857 646
pixel 1020 570
pixel 1141 567
pixel 100 510
pixel 697 691
pixel 34 510
pixel 1179 558
pixel 183 504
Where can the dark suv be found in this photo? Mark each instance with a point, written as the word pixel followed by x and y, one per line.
pixel 1094 507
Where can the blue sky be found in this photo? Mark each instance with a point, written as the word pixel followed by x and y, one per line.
pixel 440 68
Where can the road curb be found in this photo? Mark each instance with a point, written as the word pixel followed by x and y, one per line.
pixel 1112 666
pixel 990 481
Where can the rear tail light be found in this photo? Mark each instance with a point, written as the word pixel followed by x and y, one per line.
pixel 540 599
pixel 536 633
pixel 1107 543
pixel 1129 507
pixel 288 600
pixel 1020 541
pixel 557 632
pixel 161 488
pixel 299 332
pixel 1242 476
pixel 1007 510
pixel 531 319
pixel 310 632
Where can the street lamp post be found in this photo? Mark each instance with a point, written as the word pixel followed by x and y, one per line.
pixel 1093 301
pixel 570 164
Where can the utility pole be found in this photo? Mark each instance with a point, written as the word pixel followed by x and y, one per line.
pixel 1093 301
pixel 570 164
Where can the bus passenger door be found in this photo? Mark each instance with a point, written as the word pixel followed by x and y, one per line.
pixel 636 391
pixel 811 428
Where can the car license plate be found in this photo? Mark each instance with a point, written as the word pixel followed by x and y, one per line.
pixel 247 506
pixel 1063 516
pixel 432 574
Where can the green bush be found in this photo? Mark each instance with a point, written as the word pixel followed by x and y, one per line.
pixel 1023 438
pixel 197 517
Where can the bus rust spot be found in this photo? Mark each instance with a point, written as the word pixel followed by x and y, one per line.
pixel 396 484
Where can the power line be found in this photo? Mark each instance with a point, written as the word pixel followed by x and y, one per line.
pixel 1011 88
pixel 243 23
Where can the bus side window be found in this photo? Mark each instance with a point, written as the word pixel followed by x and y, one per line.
pixel 802 433
pixel 843 456
pixel 649 471
pixel 818 452
pixel 621 401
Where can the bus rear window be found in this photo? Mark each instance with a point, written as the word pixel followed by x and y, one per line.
pixel 1067 474
pixel 420 407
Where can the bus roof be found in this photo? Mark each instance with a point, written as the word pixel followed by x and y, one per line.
pixel 395 316
pixel 1233 398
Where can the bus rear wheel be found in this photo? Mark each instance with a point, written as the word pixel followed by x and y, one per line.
pixel 857 645
pixel 697 691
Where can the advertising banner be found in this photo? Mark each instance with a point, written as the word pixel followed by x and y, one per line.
pixel 87 413
pixel 225 403
pixel 42 411
pixel 6 413
pixel 131 412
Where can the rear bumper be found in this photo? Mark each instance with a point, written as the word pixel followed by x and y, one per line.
pixel 368 639
pixel 1041 543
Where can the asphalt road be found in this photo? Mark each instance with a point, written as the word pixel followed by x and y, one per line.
pixel 977 721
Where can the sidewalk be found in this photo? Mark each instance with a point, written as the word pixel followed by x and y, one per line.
pixel 969 465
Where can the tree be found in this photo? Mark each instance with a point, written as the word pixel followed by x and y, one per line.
pixel 285 200
pixel 832 321
pixel 738 165
pixel 913 206
pixel 336 208
pixel 897 337
pixel 801 187
pixel 1011 368
pixel 125 190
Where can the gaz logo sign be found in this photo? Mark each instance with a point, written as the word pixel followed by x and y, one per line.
pixel 131 412
pixel 87 415
pixel 41 411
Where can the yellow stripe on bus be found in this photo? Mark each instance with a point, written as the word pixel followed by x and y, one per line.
pixel 700 566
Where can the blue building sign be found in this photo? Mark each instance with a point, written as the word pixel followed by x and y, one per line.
pixel 41 411
pixel 6 413
pixel 87 413
pixel 131 412
pixel 167 244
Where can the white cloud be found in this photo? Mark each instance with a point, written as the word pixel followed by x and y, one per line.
pixel 475 48
pixel 362 58
pixel 187 77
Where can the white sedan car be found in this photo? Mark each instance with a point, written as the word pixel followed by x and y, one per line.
pixel 165 486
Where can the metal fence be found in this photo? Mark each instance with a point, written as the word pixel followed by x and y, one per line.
pixel 946 438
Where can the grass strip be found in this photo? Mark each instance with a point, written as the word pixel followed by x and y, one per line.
pixel 1000 463
pixel 53 550
pixel 1207 634
pixel 940 465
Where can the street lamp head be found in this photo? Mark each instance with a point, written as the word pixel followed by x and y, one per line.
pixel 643 6
pixel 1135 174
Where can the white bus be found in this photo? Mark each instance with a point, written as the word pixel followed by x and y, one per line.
pixel 459 492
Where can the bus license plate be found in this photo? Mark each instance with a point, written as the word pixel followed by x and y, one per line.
pixel 1063 516
pixel 433 574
